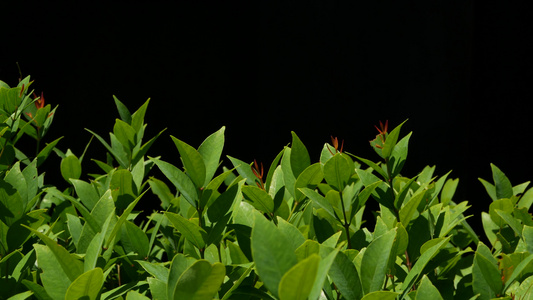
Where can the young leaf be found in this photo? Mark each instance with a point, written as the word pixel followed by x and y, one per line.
pixel 125 134
pixel 137 118
pixel 310 177
pixel 70 167
pixel 391 140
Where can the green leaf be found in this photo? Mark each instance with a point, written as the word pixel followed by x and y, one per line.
pixel 70 167
pixel 125 134
pixel 427 290
pixel 200 281
pixel 211 150
pixel 124 190
pixel 179 264
pixel 375 262
pixel 87 193
pixel 318 201
pixel 490 188
pixel 381 295
pixel 337 171
pixel 390 141
pixel 398 156
pixel 300 159
pixel 60 269
pixel 286 168
pixel 182 182
pixel 345 277
pixel 134 295
pixel 259 198
pixel 270 253
pixel 137 118
pixel 505 205
pixel 191 231
pixel 423 260
pixel 297 283
pixel 504 189
pixel 45 152
pixel 327 260
pixel 518 271
pixel 155 269
pixel 310 177
pixel 486 279
pixel 192 161
pixel 133 239
pixel 86 286
pixel 374 166
pixel 122 111
pixel 244 170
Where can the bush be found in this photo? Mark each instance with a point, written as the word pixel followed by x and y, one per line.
pixel 295 230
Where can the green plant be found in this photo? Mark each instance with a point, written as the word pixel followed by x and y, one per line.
pixel 297 232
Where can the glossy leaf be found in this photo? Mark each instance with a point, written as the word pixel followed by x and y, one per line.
pixel 503 186
pixel 381 295
pixel 427 290
pixel 299 156
pixel 259 198
pixel 337 171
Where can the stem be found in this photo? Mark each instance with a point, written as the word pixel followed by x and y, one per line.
pixel 118 273
pixel 346 223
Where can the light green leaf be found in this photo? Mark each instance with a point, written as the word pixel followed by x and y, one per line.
pixel 192 162
pixel 270 253
pixel 337 171
pixel 155 269
pixel 124 190
pixel 86 286
pixel 179 264
pixel 86 192
pixel 310 177
pixel 381 295
pixel 134 295
pixel 200 281
pixel 375 262
pixel 125 134
pixel 390 141
pixel 427 290
pixel 486 279
pixel 259 198
pixel 297 283
pixel 70 167
pixel 211 150
pixel 137 118
pixel 299 156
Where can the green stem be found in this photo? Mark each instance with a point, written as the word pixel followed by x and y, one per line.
pixel 346 223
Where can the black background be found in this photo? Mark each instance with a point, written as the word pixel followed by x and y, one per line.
pixel 459 71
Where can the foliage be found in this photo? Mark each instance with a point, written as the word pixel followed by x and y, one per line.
pixel 294 231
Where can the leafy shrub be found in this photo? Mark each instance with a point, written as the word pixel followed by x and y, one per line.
pixel 295 230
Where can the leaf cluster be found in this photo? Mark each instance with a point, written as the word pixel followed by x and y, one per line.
pixel 234 232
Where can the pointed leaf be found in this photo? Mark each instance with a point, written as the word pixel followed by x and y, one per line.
pixel 191 231
pixel 504 189
pixel 337 171
pixel 86 286
pixel 182 182
pixel 270 253
pixel 345 277
pixel 137 118
pixel 427 290
pixel 211 150
pixel 192 161
pixel 200 281
pixel 259 198
pixel 299 156
pixel 375 262
pixel 297 283
pixel 122 111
